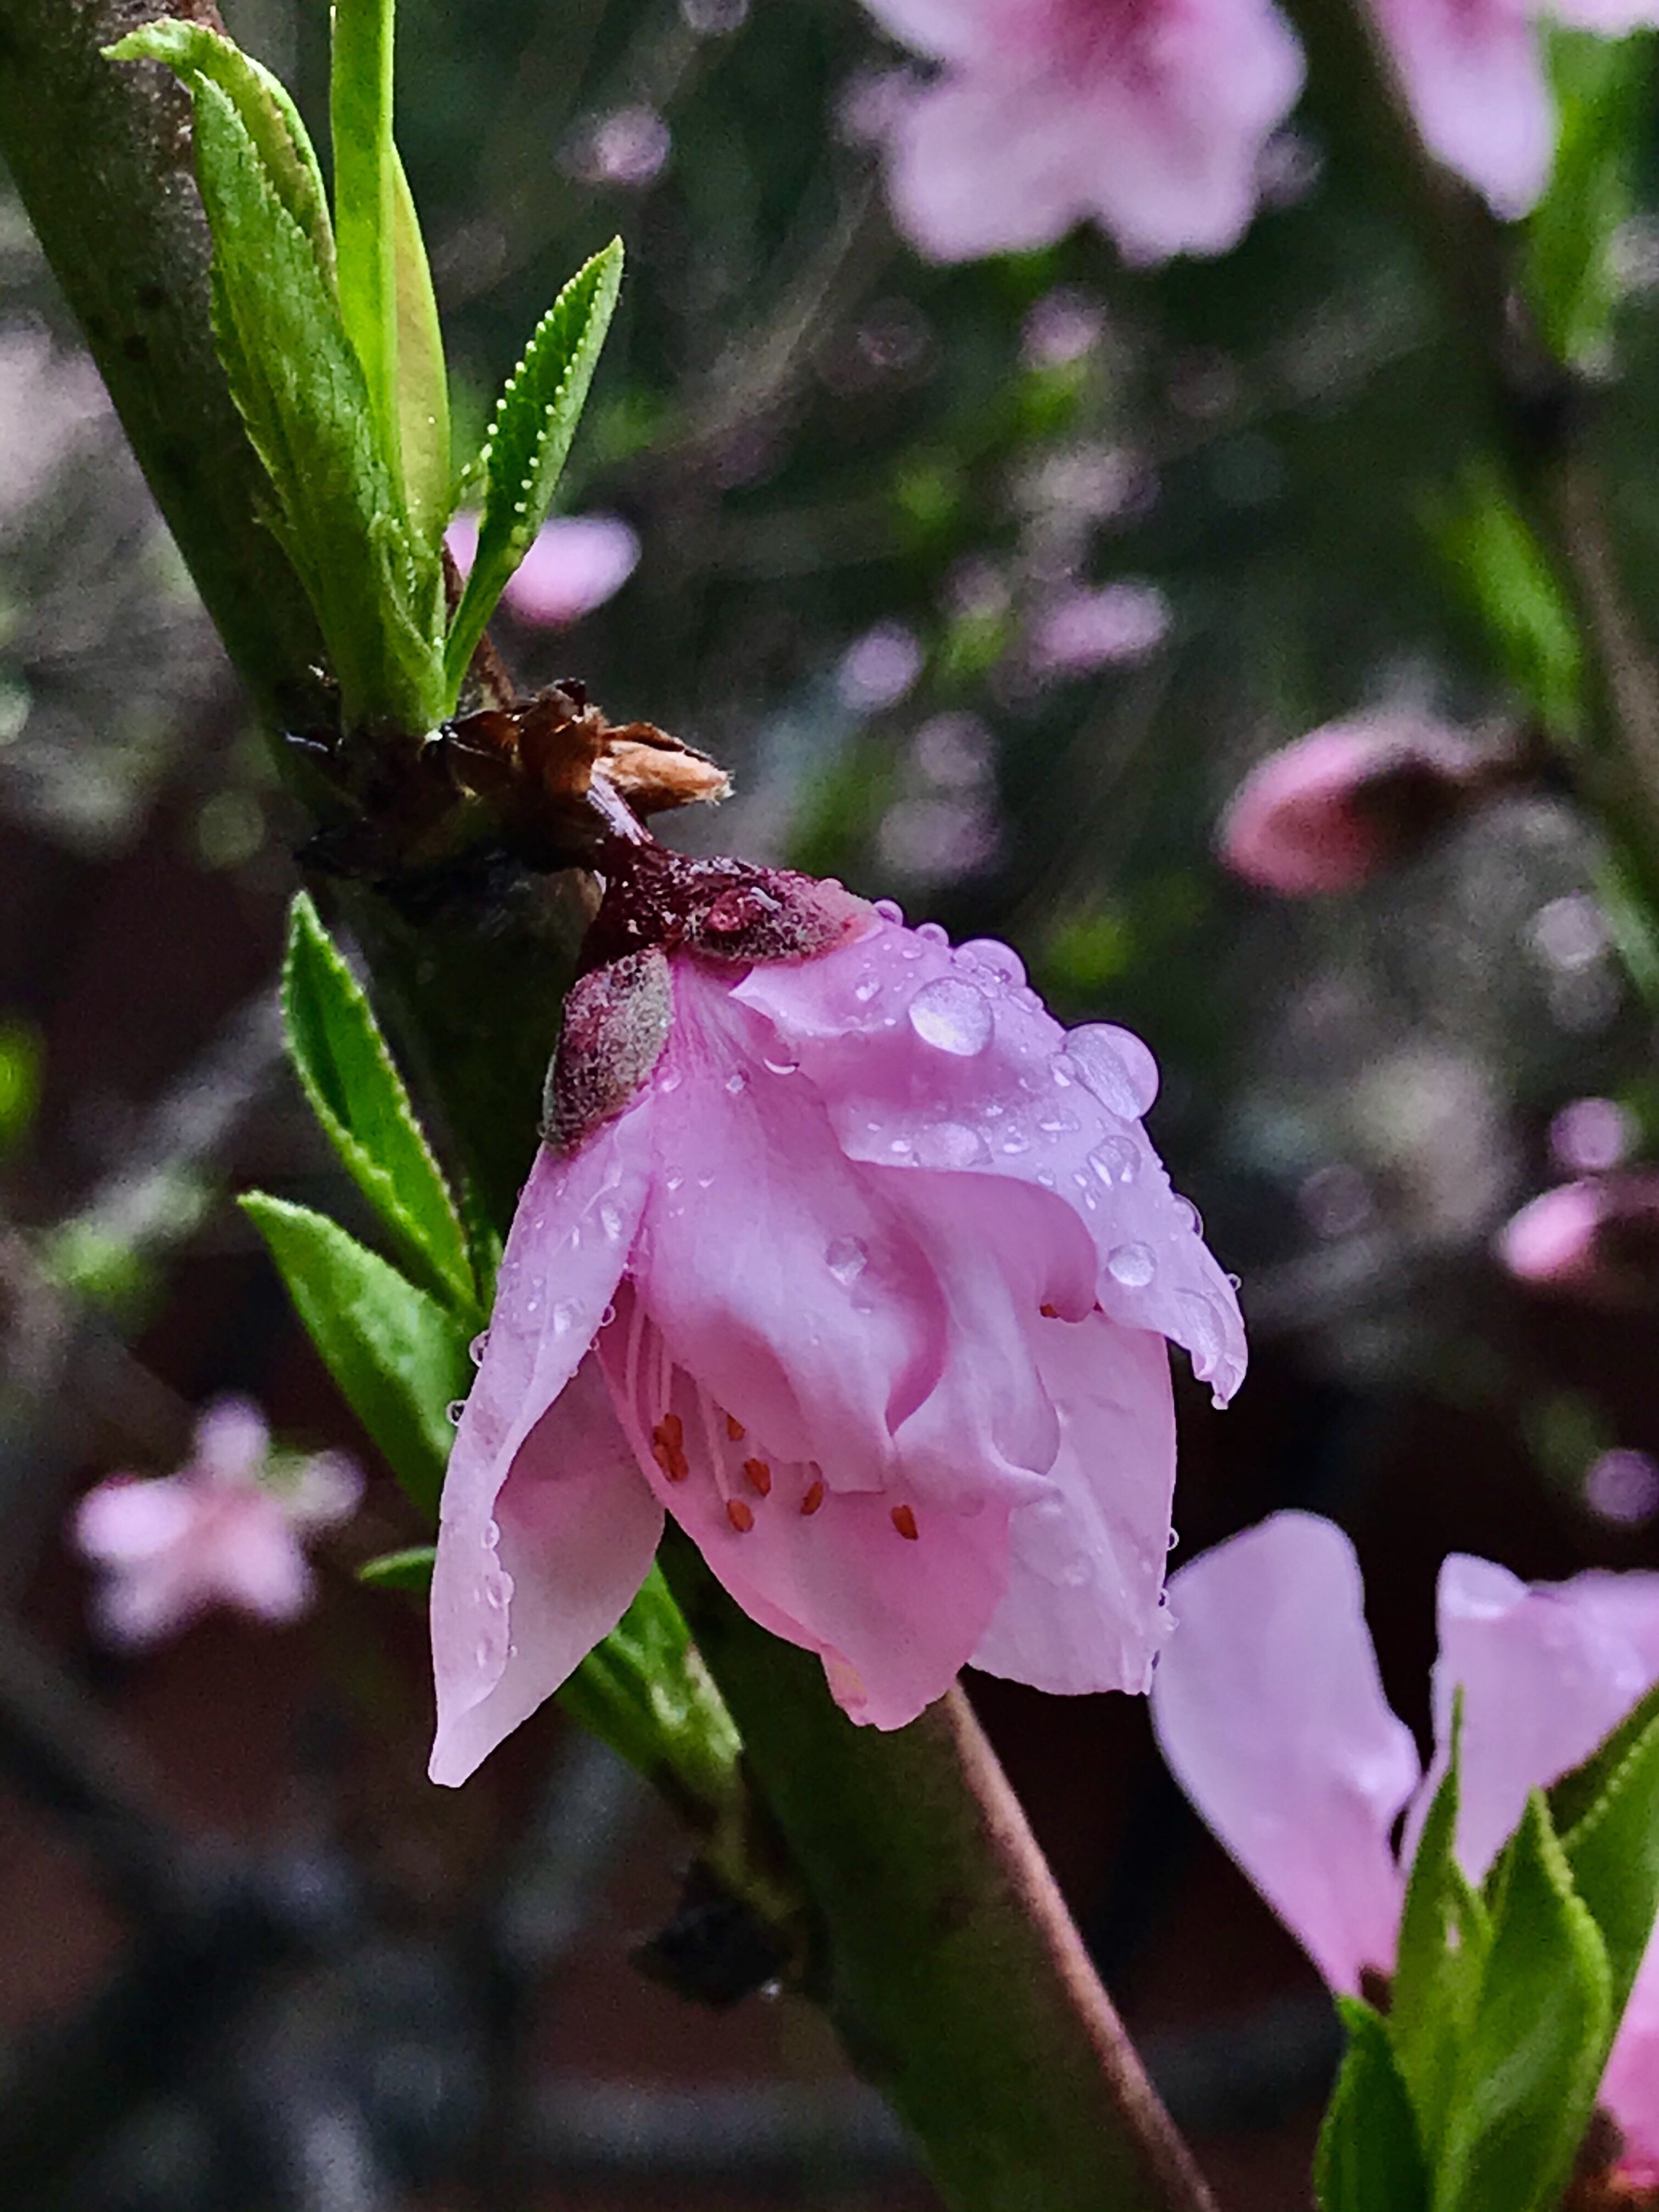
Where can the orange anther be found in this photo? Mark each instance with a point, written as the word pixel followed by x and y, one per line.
pixel 1049 1313
pixel 671 1430
pixel 668 1448
pixel 734 1429
pixel 905 1521
pixel 760 1475
pixel 741 1516
pixel 813 1498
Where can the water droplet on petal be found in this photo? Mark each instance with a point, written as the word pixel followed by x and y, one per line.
pixel 453 1410
pixel 1132 1264
pixel 607 1317
pixel 890 910
pixel 847 1258
pixel 865 989
pixel 671 1080
pixel 952 1015
pixel 1189 1214
pixel 1171 1540
pixel 933 933
pixel 990 952
pixel 1201 1330
pixel 1015 1142
pixel 900 1146
pixel 1117 1067
pixel 781 1066
pixel 673 1179
pixel 736 1082
pixel 479 1346
pixel 1114 1160
pixel 704 1181
pixel 1046 1178
pixel 610 1221
pixel 564 1317
pixel 1077 1573
pixel 498 1590
pixel 1063 1069
pixel 950 1145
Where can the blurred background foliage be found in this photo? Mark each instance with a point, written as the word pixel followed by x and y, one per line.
pixel 987 583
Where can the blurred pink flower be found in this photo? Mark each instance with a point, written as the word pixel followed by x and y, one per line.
pixel 226 1529
pixel 577 562
pixel 1270 1711
pixel 845 1254
pixel 1147 116
pixel 1596 1239
pixel 1590 1135
pixel 1078 630
pixel 1474 74
pixel 1341 805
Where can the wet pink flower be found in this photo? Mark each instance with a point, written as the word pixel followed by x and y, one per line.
pixel 1270 1711
pixel 227 1529
pixel 1145 116
pixel 1596 1240
pixel 1473 72
pixel 1341 805
pixel 576 563
pixel 845 1254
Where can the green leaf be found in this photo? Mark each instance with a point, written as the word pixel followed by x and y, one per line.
pixel 397 1357
pixel 536 420
pixel 1607 1812
pixel 422 377
pixel 366 204
pixel 357 1094
pixel 1602 88
pixel 1504 574
pixel 263 104
pixel 1369 2159
pixel 1445 1936
pixel 1526 2084
pixel 408 1570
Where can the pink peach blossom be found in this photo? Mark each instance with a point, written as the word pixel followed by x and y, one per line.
pixel 1472 72
pixel 226 1529
pixel 576 562
pixel 1270 1712
pixel 1147 116
pixel 1337 807
pixel 845 1254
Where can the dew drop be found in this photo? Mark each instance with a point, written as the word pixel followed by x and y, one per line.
pixel 610 1221
pixel 781 1066
pixel 498 1590
pixel 865 989
pixel 900 1146
pixel 1015 1142
pixel 704 1181
pixel 1132 1264
pixel 479 1346
pixel 890 910
pixel 1189 1215
pixel 736 1083
pixel 1077 1573
pixel 953 1016
pixel 1201 1330
pixel 671 1081
pixel 1117 1067
pixel 453 1410
pixel 673 1179
pixel 1064 1070
pixel 564 1317
pixel 990 952
pixel 1114 1161
pixel 1057 1125
pixel 847 1258
pixel 1171 1540
pixel 607 1317
pixel 950 1145
pixel 483 1654
pixel 1046 1178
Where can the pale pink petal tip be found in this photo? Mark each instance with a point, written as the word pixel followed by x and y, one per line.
pixel 1552 1240
pixel 1339 805
pixel 575 563
pixel 1270 1711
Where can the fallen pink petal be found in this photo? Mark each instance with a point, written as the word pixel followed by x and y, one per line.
pixel 845 1255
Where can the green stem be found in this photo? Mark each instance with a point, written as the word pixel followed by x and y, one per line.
pixel 943 1950
pixel 366 204
pixel 100 157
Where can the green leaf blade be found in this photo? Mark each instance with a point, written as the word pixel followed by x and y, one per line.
pixel 365 204
pixel 399 1359
pixel 354 1090
pixel 535 422
pixel 1607 1813
pixel 1369 2158
pixel 422 377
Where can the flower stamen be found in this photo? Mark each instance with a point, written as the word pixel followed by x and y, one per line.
pixel 668 1448
pixel 904 1519
pixel 734 1429
pixel 760 1476
pixel 741 1516
pixel 814 1497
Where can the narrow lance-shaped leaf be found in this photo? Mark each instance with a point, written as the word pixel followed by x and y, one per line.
pixel 535 422
pixel 1607 1811
pixel 1525 2080
pixel 357 1094
pixel 399 1359
pixel 422 377
pixel 261 101
pixel 1369 2158
pixel 1602 89
pixel 365 204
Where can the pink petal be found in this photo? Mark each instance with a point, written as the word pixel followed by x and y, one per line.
pixel 232 1441
pixel 462 539
pixel 1270 1711
pixel 575 563
pixel 123 1522
pixel 979 165
pixel 578 1531
pixel 145 1603
pixel 930 1060
pixel 1475 76
pixel 944 30
pixel 246 1555
pixel 325 1489
pixel 1630 2087
pixel 570 1239
pixel 1546 1672
pixel 893 1617
pixel 799 1299
pixel 1086 1564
